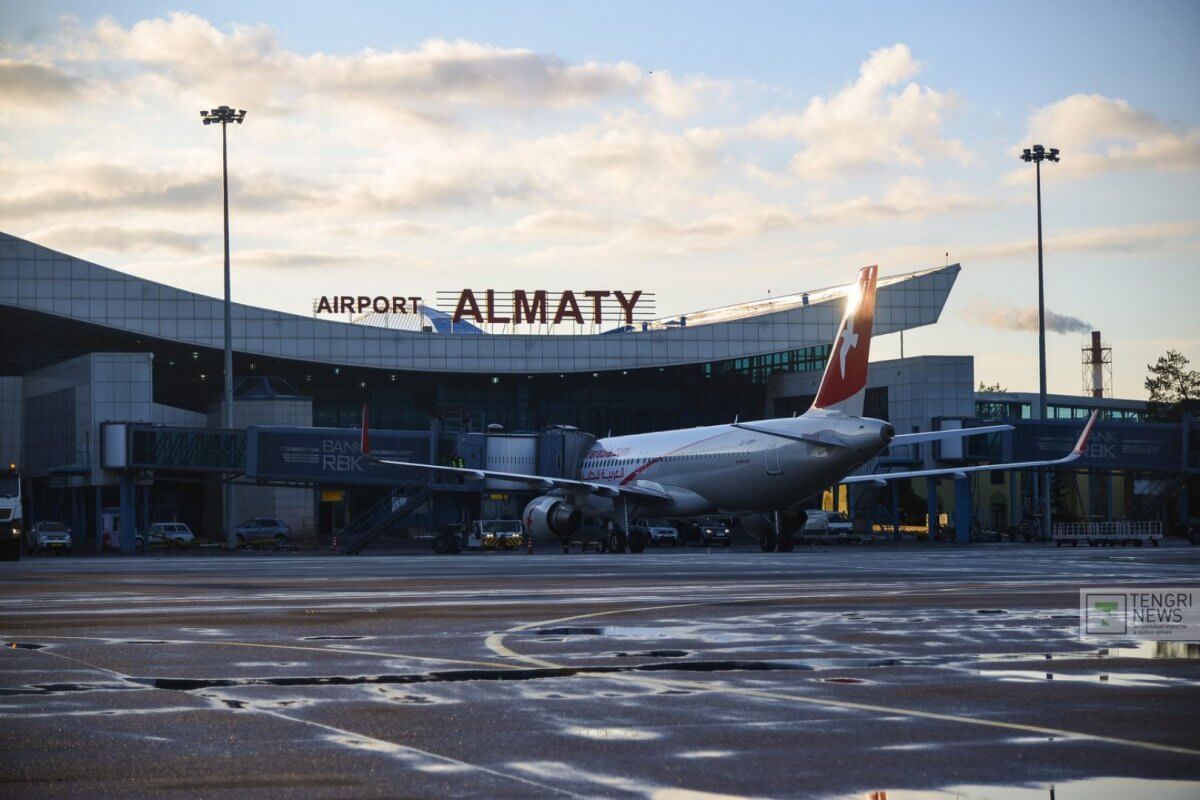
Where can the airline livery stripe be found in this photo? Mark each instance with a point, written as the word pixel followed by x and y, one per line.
pixel 657 459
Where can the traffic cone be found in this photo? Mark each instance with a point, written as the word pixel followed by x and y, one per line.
pixel 334 546
pixel 528 544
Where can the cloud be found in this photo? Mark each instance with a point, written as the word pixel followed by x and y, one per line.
pixel 1102 134
pixel 908 198
pixel 302 258
pixel 35 86
pixel 1011 318
pixel 84 183
pixel 186 56
pixel 1108 239
pixel 73 238
pixel 870 124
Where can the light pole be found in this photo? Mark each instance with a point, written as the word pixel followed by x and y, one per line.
pixel 1037 154
pixel 225 115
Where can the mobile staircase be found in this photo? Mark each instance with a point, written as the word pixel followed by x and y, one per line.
pixel 395 506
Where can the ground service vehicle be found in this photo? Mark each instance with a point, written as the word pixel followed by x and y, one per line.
pixel 52 537
pixel 11 514
pixel 165 533
pixel 263 530
pixel 760 466
pixel 484 534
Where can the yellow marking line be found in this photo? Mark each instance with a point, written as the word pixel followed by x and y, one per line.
pixel 495 643
pixel 303 648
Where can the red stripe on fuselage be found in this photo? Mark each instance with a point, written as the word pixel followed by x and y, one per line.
pixel 657 459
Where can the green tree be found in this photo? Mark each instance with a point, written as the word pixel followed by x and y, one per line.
pixel 1171 384
pixel 991 387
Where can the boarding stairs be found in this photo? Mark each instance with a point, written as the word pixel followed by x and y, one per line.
pixel 394 507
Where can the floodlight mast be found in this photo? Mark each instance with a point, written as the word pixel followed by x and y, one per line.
pixel 1037 154
pixel 225 115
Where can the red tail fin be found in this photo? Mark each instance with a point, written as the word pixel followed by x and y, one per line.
pixel 366 439
pixel 845 380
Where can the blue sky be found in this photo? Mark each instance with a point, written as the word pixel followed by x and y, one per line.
pixel 708 152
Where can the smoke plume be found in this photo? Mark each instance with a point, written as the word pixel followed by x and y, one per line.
pixel 1011 318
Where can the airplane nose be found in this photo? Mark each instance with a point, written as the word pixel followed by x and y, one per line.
pixel 887 433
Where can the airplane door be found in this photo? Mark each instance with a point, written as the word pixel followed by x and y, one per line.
pixel 773 467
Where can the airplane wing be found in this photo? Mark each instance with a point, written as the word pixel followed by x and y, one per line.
pixel 881 479
pixel 538 481
pixel 953 433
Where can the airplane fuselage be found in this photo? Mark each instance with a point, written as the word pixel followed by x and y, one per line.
pixel 764 465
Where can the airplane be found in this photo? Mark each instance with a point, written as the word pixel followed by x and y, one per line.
pixel 740 467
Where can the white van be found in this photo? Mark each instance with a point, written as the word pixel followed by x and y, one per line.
pixel 828 522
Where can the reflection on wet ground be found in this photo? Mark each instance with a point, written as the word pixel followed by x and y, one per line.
pixel 665 677
pixel 1088 789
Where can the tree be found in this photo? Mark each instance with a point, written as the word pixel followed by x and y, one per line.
pixel 991 387
pixel 1171 384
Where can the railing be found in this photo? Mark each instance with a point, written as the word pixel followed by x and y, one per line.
pixel 391 509
pixel 1116 529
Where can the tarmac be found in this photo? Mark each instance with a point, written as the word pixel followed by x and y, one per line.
pixel 922 671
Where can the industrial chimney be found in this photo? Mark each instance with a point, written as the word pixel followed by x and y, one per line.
pixel 1097 368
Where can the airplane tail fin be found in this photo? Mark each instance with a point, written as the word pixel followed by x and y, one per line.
pixel 366 439
pixel 844 384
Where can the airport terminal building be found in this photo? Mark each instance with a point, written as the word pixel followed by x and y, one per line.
pixel 86 349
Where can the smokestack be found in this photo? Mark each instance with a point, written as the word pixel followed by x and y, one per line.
pixel 1097 367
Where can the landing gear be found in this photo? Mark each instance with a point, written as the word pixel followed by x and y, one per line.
pixel 637 542
pixel 767 541
pixel 616 542
pixel 786 542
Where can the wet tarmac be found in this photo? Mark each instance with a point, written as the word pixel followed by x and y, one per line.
pixel 923 672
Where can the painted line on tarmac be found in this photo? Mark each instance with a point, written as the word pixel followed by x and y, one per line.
pixel 326 650
pixel 383 744
pixel 495 643
pixel 388 745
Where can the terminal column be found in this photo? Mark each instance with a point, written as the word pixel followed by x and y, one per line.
pixel 962 510
pixel 128 511
pixel 931 499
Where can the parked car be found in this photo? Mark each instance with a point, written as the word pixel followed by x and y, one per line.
pixel 657 532
pixel 263 530
pixel 175 534
pixel 52 537
pixel 708 531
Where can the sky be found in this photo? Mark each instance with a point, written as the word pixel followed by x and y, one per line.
pixel 707 152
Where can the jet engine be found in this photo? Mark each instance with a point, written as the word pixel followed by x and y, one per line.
pixel 551 516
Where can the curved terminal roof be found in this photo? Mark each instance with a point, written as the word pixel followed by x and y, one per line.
pixel 37 279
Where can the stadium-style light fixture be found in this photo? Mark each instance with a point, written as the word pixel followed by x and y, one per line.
pixel 1036 155
pixel 225 115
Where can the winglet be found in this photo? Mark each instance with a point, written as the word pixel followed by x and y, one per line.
pixel 844 384
pixel 366 438
pixel 1087 432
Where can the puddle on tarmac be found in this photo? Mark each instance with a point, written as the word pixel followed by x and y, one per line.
pixel 69 688
pixel 1086 789
pixel 1147 650
pixel 468 675
pixel 1154 650
pixel 334 638
pixel 706 754
pixel 655 654
pixel 1103 678
pixel 613 734
pixel 842 680
pixel 702 633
